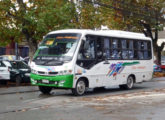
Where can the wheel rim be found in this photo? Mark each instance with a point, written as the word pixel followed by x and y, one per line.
pixel 130 82
pixel 80 87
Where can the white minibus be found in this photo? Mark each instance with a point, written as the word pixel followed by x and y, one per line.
pixel 80 59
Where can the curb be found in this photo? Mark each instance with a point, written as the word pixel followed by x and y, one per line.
pixel 20 89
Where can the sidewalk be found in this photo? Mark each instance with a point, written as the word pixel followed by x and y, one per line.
pixel 158 79
pixel 14 90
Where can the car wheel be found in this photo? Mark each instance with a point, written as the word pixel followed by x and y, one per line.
pixel 18 80
pixel 129 85
pixel 80 88
pixel 45 90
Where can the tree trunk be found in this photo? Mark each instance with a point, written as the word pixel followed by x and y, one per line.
pixel 157 52
pixel 32 47
pixel 159 56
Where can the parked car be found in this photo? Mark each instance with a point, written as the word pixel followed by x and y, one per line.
pixel 163 63
pixel 4 71
pixel 17 71
pixel 157 68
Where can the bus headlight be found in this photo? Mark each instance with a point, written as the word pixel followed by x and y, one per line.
pixel 34 71
pixel 61 83
pixel 33 81
pixel 65 72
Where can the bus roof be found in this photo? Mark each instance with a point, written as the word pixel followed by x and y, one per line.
pixel 108 33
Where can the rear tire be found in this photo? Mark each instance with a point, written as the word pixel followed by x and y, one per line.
pixel 44 89
pixel 129 85
pixel 80 88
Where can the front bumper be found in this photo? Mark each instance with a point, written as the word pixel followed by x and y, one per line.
pixel 61 81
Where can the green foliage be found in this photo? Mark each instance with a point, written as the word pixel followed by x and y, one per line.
pixel 33 19
pixel 131 12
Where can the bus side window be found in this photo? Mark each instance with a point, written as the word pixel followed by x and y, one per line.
pixel 131 50
pixel 88 49
pixel 116 52
pixel 107 47
pixel 140 50
pixel 124 49
pixel 86 56
pixel 149 50
pixel 100 48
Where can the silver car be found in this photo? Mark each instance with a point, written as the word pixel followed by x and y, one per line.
pixel 4 70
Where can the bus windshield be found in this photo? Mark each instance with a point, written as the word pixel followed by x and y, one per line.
pixel 60 47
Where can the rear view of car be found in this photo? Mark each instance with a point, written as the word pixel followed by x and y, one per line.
pixel 157 68
pixel 20 72
pixel 16 71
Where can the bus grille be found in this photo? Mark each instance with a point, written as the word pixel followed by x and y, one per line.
pixel 47 73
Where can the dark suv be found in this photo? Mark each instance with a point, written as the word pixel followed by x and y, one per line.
pixel 19 71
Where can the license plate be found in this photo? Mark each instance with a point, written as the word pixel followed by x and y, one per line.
pixel 45 81
pixel 27 74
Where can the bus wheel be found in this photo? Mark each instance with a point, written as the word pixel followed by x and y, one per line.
pixel 45 90
pixel 80 88
pixel 129 85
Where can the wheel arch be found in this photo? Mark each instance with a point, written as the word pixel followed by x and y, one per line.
pixel 85 80
pixel 134 77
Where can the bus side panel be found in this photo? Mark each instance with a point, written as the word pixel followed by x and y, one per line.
pixel 92 75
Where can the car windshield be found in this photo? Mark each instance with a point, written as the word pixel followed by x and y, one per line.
pixel 19 65
pixel 58 46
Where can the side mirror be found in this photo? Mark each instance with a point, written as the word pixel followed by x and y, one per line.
pixel 9 68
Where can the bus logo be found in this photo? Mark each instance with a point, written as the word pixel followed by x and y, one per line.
pixel 117 68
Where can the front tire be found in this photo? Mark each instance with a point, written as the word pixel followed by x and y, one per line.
pixel 45 90
pixel 129 85
pixel 80 88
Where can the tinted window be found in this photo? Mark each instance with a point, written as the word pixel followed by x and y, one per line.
pixel 87 49
pixel 87 52
pixel 115 44
pixel 19 65
pixel 1 64
pixel 107 47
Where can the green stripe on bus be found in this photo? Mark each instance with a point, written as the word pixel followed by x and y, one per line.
pixel 130 63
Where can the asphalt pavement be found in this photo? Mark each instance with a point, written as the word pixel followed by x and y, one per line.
pixel 22 89
pixel 145 102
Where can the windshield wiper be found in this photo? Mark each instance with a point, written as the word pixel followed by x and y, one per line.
pixel 53 62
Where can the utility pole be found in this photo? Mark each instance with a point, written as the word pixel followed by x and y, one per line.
pixel 16 50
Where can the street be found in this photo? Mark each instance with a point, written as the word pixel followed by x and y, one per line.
pixel 145 102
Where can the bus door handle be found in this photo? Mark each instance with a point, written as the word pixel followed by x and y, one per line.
pixel 106 62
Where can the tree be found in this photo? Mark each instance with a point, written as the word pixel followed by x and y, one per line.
pixel 93 15
pixel 32 19
pixel 147 16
